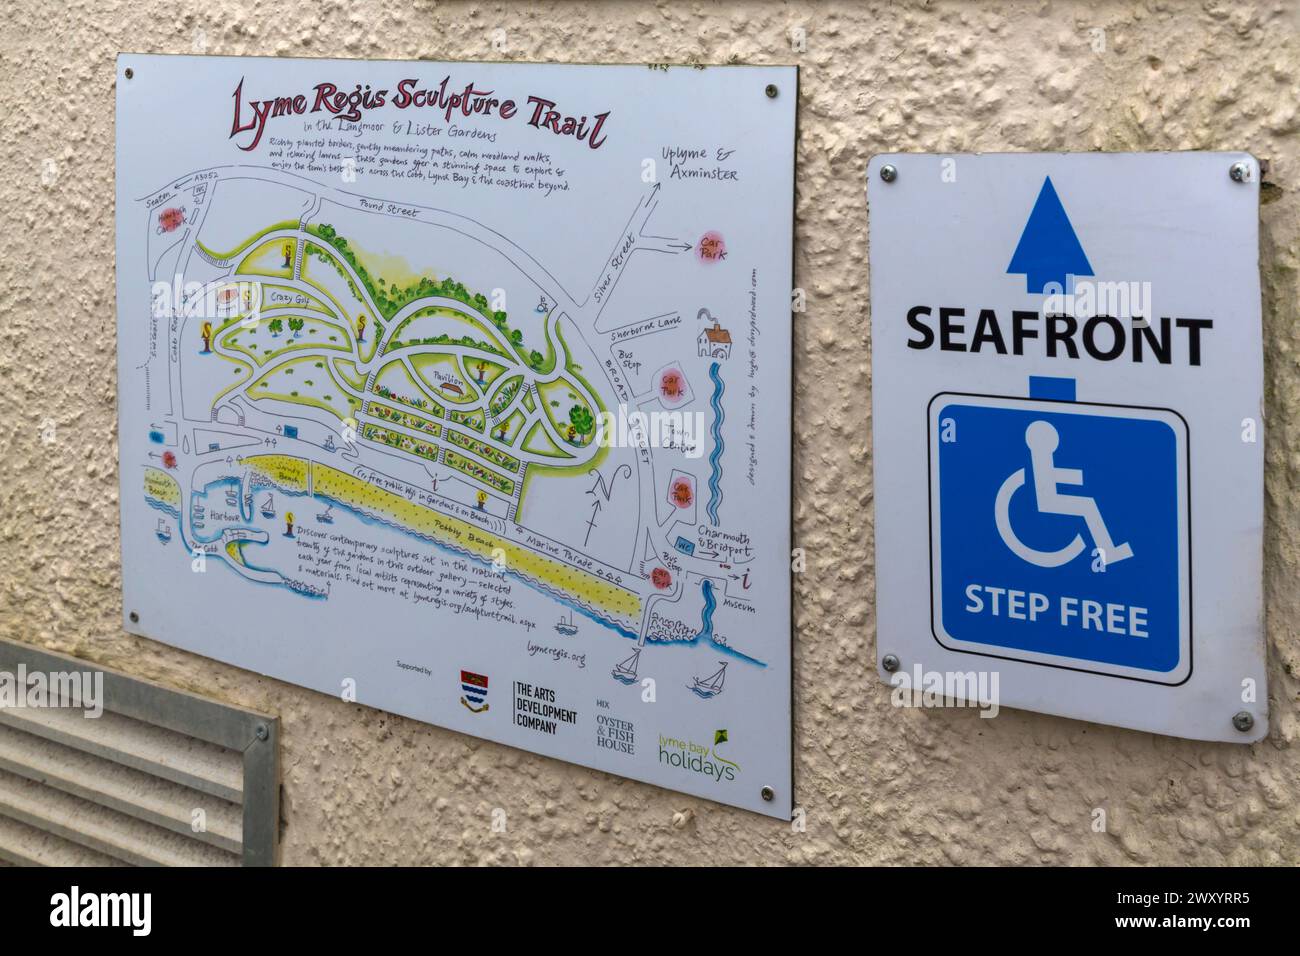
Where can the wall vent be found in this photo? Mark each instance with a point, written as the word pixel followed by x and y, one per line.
pixel 161 778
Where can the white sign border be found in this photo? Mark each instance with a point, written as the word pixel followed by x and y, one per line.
pixel 1205 708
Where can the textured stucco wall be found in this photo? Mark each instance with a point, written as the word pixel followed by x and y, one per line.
pixel 877 784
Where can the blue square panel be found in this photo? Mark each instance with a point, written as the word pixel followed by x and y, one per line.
pixel 1059 534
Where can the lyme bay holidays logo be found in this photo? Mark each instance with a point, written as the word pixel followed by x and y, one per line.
pixel 697 758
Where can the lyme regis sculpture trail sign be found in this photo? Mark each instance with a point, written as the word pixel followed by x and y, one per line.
pixel 463 391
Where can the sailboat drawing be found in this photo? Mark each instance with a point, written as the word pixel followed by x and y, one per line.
pixel 163 531
pixel 625 671
pixel 710 686
pixel 567 627
pixel 268 507
pixel 326 516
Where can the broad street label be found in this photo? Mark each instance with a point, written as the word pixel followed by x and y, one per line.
pixel 1067 387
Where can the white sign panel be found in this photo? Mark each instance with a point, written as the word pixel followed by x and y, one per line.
pixel 463 391
pixel 1067 402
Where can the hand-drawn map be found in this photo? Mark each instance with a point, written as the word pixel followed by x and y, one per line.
pixel 463 391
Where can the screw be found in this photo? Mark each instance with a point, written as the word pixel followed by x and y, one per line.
pixel 767 793
pixel 129 73
pixel 261 731
pixel 135 617
pixel 771 91
pixel 888 173
pixel 1243 721
pixel 1239 172
pixel 889 662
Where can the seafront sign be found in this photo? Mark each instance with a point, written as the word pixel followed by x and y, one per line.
pixel 463 391
pixel 1067 374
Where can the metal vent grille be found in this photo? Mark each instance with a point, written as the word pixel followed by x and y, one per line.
pixel 160 778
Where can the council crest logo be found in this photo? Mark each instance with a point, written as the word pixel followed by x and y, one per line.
pixel 475 687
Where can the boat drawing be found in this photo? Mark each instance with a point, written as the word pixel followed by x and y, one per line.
pixel 710 686
pixel 268 507
pixel 163 531
pixel 326 516
pixel 625 671
pixel 567 627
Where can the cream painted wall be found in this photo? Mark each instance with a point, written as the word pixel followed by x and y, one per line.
pixel 878 785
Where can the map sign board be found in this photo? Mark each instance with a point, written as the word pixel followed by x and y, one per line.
pixel 463 391
pixel 1067 394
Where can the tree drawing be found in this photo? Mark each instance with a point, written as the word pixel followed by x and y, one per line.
pixel 583 422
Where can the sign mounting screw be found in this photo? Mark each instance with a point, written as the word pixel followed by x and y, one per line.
pixel 771 91
pixel 889 662
pixel 767 793
pixel 261 732
pixel 1239 172
pixel 135 617
pixel 129 73
pixel 889 172
pixel 1243 721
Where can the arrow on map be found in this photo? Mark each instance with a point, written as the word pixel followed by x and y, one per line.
pixel 595 510
pixel 1048 251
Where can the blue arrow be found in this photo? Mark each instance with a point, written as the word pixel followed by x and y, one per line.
pixel 1049 251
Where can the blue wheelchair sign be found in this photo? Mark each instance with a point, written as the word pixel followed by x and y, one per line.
pixel 1059 534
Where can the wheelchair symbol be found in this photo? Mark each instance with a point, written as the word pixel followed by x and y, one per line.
pixel 1043 440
